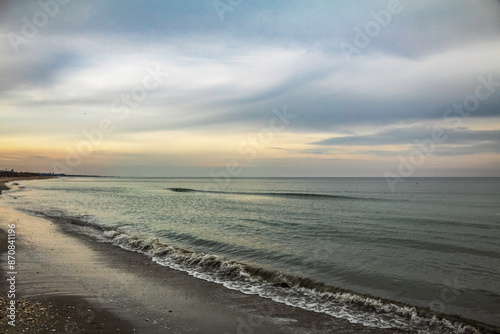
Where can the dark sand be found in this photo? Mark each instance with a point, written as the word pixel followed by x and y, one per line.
pixel 70 278
pixel 54 314
pixel 50 314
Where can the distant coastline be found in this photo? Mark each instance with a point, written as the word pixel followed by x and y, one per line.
pixel 12 175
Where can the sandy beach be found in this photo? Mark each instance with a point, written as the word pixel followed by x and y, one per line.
pixel 44 312
pixel 74 283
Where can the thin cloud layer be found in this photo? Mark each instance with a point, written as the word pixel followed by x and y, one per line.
pixel 219 74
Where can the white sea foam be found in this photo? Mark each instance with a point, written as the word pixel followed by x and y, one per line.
pixel 355 308
pixel 114 213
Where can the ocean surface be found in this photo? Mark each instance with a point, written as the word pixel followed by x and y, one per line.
pixel 348 247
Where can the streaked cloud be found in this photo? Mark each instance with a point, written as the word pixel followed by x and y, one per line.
pixel 222 79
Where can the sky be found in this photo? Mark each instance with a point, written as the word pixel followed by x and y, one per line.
pixel 239 88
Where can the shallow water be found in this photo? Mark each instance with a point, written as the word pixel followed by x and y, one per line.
pixel 432 243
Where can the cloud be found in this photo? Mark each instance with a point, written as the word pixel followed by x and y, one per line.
pixel 458 141
pixel 408 135
pixel 224 76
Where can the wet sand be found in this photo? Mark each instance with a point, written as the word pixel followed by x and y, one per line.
pixel 56 262
pixel 45 313
pixel 4 180
pixel 100 288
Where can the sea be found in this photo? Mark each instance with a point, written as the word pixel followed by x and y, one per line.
pixel 352 248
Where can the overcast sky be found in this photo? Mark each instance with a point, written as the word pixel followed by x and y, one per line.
pixel 251 88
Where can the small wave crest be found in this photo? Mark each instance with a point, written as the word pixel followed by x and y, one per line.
pixel 182 190
pixel 274 194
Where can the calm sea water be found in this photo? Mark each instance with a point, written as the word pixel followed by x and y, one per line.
pixel 433 243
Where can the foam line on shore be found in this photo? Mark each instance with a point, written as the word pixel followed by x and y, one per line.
pixel 290 290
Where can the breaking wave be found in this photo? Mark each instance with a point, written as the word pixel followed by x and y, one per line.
pixel 292 290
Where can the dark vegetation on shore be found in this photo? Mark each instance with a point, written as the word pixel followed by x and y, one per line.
pixel 12 173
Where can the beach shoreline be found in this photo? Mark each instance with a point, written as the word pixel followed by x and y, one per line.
pixel 45 314
pixel 4 180
pixel 127 289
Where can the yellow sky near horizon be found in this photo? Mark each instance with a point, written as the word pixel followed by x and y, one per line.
pixel 214 150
